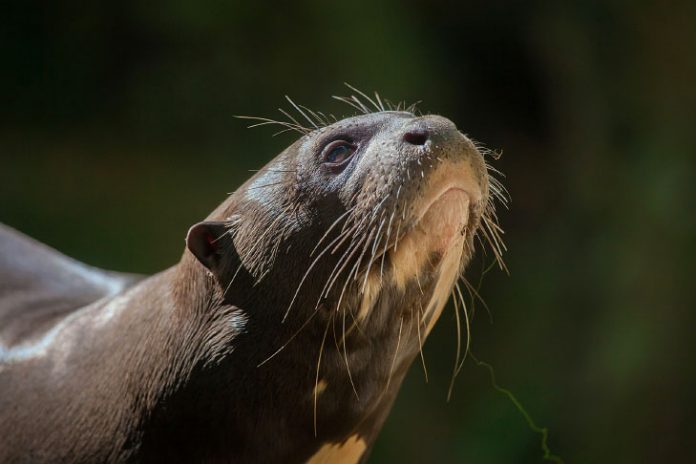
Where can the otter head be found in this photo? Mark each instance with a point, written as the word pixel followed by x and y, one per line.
pixel 351 240
pixel 380 203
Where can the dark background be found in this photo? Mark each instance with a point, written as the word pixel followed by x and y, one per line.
pixel 117 133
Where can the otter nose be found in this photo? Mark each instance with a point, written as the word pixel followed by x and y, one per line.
pixel 417 136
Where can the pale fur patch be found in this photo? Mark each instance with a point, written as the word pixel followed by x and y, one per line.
pixel 347 452
pixel 449 271
pixel 372 289
pixel 320 387
pixel 442 215
pixel 410 258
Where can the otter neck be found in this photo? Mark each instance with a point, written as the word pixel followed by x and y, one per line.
pixel 280 392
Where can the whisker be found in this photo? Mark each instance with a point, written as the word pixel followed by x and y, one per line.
pixel 299 110
pixel 474 293
pixel 345 357
pixel 494 246
pixel 365 96
pixel 468 340
pixel 459 345
pixel 381 105
pixel 349 102
pixel 343 262
pixel 386 244
pixel 275 134
pixel 365 109
pixel 267 121
pixel 362 254
pixel 304 277
pixel 396 352
pixel 355 324
pixel 420 342
pixel 372 260
pixel 328 118
pixel 265 185
pixel 275 353
pixel 320 121
pixel 316 307
pixel 316 380
pixel 413 106
pixel 294 121
pixel 331 228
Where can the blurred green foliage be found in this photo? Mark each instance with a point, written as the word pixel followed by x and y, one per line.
pixel 117 133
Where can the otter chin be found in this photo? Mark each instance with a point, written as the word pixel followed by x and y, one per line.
pixel 445 218
pixel 284 332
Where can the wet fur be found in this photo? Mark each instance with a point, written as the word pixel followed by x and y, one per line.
pixel 224 366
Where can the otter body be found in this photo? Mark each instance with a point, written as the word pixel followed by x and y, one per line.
pixel 284 332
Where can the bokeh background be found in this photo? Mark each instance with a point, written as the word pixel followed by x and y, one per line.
pixel 117 133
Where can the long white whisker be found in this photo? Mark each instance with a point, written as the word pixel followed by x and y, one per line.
pixel 316 380
pixel 299 110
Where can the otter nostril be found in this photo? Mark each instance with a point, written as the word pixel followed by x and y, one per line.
pixel 416 136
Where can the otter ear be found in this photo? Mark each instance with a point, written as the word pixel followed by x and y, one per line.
pixel 210 243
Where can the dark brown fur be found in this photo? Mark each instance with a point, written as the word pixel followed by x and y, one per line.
pixel 209 361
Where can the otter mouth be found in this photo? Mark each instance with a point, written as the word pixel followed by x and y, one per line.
pixel 444 214
pixel 443 195
pixel 445 218
pixel 440 223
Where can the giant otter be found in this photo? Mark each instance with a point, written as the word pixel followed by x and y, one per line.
pixel 284 332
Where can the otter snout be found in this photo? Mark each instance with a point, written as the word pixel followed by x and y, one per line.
pixel 435 129
pixel 417 136
pixel 436 152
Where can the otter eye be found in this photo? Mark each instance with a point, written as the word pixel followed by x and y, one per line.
pixel 338 152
